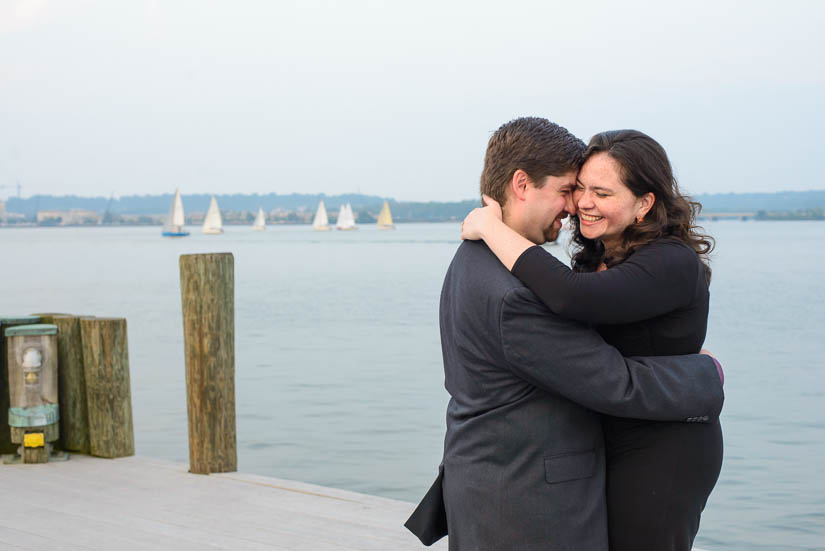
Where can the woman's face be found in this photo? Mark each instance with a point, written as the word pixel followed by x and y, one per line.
pixel 605 205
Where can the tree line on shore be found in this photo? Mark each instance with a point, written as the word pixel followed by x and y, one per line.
pixel 299 208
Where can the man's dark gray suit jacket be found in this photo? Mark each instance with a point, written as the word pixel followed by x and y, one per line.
pixel 524 465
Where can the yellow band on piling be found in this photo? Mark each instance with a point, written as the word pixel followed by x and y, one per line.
pixel 34 440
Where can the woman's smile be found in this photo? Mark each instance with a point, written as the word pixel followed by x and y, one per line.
pixel 588 219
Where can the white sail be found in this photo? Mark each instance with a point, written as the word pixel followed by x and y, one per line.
pixel 177 210
pixel 342 217
pixel 385 218
pixel 321 222
pixel 260 221
pixel 346 220
pixel 173 226
pixel 213 224
pixel 351 217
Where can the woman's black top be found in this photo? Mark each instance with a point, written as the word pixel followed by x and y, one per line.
pixel 655 303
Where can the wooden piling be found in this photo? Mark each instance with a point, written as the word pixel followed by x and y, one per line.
pixel 6 445
pixel 106 372
pixel 74 413
pixel 208 302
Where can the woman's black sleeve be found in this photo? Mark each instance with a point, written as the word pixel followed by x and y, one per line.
pixel 658 278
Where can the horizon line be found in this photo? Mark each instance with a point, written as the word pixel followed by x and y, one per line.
pixel 386 198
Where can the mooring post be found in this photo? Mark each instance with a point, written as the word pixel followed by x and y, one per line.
pixel 108 389
pixel 207 284
pixel 74 413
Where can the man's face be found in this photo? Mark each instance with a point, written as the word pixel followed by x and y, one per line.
pixel 547 206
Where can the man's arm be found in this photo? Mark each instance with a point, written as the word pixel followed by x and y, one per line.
pixel 563 356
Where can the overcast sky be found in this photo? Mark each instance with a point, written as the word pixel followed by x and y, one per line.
pixel 396 99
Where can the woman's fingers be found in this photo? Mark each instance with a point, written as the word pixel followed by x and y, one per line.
pixel 481 218
pixel 492 205
pixel 470 227
pixel 490 202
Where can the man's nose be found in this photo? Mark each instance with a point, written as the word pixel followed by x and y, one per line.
pixel 570 207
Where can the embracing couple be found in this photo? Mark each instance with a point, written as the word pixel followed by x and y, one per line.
pixel 582 415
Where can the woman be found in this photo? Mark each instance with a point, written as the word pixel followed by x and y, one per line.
pixel 640 277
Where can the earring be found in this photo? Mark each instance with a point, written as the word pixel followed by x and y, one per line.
pixel 639 219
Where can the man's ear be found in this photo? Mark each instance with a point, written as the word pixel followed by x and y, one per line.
pixel 519 184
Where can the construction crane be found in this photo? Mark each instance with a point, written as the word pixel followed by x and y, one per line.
pixel 17 185
pixel 108 217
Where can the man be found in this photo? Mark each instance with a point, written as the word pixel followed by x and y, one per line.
pixel 524 465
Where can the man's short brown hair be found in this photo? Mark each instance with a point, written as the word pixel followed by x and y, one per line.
pixel 535 145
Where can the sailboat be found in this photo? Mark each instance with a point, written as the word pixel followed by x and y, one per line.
pixel 346 220
pixel 320 223
pixel 385 218
pixel 260 221
pixel 173 226
pixel 213 224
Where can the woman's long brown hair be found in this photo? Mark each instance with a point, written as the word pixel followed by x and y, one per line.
pixel 645 168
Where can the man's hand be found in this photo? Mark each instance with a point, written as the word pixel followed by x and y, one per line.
pixel 478 221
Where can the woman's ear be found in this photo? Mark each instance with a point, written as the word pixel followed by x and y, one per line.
pixel 645 203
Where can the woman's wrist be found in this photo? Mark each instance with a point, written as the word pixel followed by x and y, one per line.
pixel 488 226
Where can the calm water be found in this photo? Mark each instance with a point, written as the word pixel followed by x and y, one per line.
pixel 339 377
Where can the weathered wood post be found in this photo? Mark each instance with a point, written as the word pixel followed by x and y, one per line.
pixel 108 394
pixel 207 284
pixel 74 413
pixel 6 445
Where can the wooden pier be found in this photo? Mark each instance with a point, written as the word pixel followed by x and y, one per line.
pixel 128 503
pixel 136 503
pixel 140 504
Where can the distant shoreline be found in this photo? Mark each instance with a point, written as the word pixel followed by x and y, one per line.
pixel 299 209
pixel 194 227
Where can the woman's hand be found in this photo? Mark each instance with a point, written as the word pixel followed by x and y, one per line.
pixel 719 369
pixel 480 219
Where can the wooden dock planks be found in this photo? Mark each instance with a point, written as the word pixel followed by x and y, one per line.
pixel 136 503
pixel 140 504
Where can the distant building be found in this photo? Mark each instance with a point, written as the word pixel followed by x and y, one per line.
pixel 195 218
pixel 74 217
pixel 15 217
pixel 142 219
pixel 2 212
